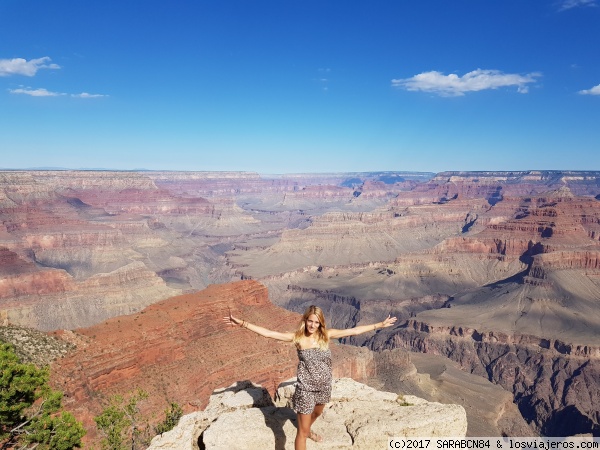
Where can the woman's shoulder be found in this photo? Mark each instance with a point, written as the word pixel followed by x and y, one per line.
pixel 332 333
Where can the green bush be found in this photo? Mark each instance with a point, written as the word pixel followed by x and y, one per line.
pixel 172 415
pixel 30 415
pixel 121 424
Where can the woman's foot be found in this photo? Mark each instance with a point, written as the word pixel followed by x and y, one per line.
pixel 315 437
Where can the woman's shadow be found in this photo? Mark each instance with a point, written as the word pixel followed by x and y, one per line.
pixel 275 417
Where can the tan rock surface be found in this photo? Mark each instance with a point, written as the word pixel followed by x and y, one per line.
pixel 243 417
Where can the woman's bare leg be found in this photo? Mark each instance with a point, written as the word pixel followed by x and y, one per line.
pixel 316 413
pixel 305 421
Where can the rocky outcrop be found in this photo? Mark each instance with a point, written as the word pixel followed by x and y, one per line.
pixel 177 350
pixel 244 416
pixel 33 346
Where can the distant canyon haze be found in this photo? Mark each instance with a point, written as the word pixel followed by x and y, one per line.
pixel 494 276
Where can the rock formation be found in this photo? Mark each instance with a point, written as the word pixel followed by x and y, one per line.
pixel 346 238
pixel 244 416
pixel 557 393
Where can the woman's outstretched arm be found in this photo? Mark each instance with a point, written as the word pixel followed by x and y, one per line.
pixel 336 334
pixel 230 320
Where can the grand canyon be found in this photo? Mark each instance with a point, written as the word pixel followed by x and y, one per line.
pixel 494 278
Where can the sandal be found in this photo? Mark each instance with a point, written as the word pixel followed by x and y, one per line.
pixel 315 437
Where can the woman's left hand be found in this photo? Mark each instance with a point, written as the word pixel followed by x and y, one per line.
pixel 388 322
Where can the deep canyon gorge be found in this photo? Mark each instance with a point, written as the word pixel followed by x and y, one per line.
pixel 494 277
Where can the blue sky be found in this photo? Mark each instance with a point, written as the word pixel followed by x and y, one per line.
pixel 279 86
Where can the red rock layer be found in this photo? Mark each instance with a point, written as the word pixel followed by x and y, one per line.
pixel 44 282
pixel 546 223
pixel 11 264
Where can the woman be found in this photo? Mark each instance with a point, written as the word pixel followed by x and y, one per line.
pixel 313 388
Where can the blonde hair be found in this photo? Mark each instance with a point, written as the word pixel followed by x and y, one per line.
pixel 322 337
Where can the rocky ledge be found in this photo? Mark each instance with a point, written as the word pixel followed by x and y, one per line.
pixel 245 416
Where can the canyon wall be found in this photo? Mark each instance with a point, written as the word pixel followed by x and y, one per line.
pixel 512 255
pixel 557 392
pixel 102 243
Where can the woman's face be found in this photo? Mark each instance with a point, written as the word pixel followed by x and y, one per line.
pixel 312 324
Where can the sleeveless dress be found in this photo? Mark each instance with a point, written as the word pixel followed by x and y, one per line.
pixel 314 380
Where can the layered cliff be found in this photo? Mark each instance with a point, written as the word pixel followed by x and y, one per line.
pixel 345 238
pixel 80 247
pixel 555 295
pixel 536 332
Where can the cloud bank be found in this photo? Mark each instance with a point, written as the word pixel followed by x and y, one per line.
pixel 452 85
pixel 593 91
pixel 20 66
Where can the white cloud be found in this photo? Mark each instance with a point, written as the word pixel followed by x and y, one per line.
pixel 452 85
pixel 35 92
pixel 86 95
pixel 20 66
pixel 569 4
pixel 46 93
pixel 593 91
